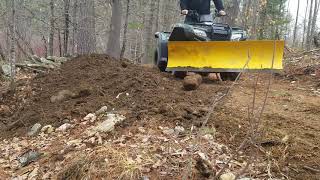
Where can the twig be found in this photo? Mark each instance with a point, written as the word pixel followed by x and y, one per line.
pixel 217 100
pixel 311 169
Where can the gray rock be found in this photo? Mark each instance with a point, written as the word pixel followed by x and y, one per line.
pixel 34 130
pixel 105 126
pixel 64 127
pixel 102 110
pixel 145 178
pixel 29 157
pixel 108 124
pixel 62 96
pixel 168 131
pixel 6 69
pixel 47 129
pixel 179 129
pixel 227 176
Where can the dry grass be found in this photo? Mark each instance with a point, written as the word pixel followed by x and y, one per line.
pixel 105 162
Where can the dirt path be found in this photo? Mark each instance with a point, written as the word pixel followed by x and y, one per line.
pixel 151 100
pixel 292 112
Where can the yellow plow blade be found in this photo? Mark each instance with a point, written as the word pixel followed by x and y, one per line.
pixel 224 56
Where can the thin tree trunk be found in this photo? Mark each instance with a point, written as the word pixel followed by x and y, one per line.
pixel 296 25
pixel 86 32
pixel 305 25
pixel 314 22
pixel 124 43
pixel 75 25
pixel 60 43
pixel 51 35
pixel 2 56
pixel 66 27
pixel 309 26
pixel 149 30
pixel 113 47
pixel 13 47
pixel 45 45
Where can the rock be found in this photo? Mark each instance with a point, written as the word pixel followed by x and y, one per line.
pixel 62 96
pixel 5 110
pixel 179 129
pixel 6 69
pixel 28 157
pixel 208 137
pixel 64 127
pixel 47 129
pixel 108 124
pixel 192 82
pixel 34 130
pixel 168 131
pixel 227 176
pixel 33 174
pixel 90 117
pixel 145 178
pixel 102 110
pixel 214 77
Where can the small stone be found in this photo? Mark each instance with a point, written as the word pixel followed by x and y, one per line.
pixel 90 117
pixel 227 176
pixel 6 69
pixel 168 131
pixel 208 137
pixel 33 174
pixel 108 124
pixel 179 129
pixel 64 127
pixel 102 110
pixel 28 157
pixel 47 129
pixel 34 130
pixel 145 178
pixel 141 130
pixel 192 82
pixel 62 96
pixel 105 126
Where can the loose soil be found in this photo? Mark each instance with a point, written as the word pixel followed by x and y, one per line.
pixel 149 98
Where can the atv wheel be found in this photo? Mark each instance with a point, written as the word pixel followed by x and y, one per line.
pixel 160 64
pixel 229 76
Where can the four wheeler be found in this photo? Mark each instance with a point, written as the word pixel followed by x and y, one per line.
pixel 196 31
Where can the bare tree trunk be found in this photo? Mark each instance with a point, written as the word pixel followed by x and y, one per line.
pixel 308 45
pixel 66 27
pixel 2 56
pixel 75 25
pixel 45 45
pixel 113 47
pixel 59 43
pixel 305 25
pixel 149 31
pixel 13 48
pixel 86 33
pixel 51 35
pixel 314 22
pixel 124 43
pixel 296 25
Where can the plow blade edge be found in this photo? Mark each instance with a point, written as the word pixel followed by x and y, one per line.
pixel 225 56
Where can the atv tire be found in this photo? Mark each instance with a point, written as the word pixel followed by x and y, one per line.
pixel 229 76
pixel 162 66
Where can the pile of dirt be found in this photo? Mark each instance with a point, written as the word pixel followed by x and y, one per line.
pixel 97 80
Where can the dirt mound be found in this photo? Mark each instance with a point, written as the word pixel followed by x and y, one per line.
pixel 97 80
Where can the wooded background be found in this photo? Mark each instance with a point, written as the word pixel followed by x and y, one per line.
pixel 126 27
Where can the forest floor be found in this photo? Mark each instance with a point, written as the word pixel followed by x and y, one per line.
pixel 158 128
